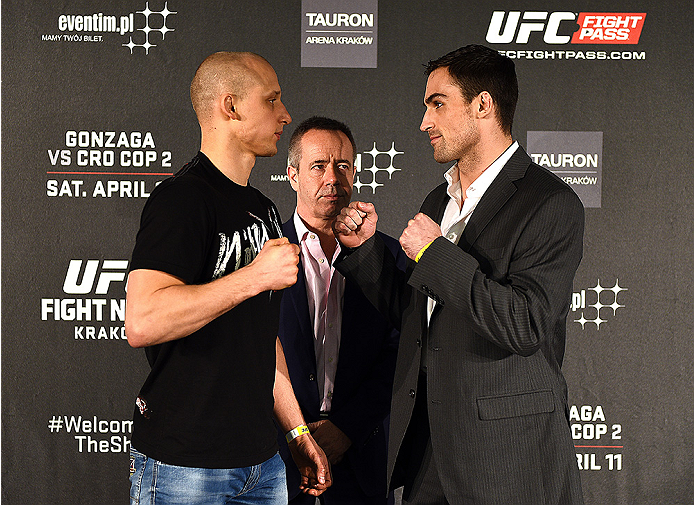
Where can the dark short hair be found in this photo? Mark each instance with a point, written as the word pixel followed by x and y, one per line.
pixel 316 123
pixel 476 68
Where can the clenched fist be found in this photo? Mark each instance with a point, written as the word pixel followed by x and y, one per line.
pixel 276 266
pixel 419 232
pixel 355 224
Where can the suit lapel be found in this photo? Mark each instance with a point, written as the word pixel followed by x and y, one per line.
pixel 435 203
pixel 349 343
pixel 299 302
pixel 498 193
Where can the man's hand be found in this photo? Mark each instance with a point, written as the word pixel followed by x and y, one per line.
pixel 355 224
pixel 419 232
pixel 276 266
pixel 331 439
pixel 312 463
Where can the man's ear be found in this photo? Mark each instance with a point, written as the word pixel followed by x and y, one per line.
pixel 228 106
pixel 293 176
pixel 485 104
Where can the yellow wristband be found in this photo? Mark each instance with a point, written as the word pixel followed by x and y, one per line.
pixel 419 254
pixel 296 432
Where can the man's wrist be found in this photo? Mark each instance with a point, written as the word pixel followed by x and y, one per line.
pixel 421 251
pixel 302 429
pixel 345 252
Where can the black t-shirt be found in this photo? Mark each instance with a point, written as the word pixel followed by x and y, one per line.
pixel 208 400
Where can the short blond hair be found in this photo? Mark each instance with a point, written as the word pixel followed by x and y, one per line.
pixel 222 72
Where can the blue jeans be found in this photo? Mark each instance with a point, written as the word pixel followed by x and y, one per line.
pixel 155 483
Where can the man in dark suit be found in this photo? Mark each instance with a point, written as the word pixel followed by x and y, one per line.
pixel 339 350
pixel 479 412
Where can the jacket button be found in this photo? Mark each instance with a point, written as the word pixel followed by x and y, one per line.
pixel 419 342
pixel 411 393
pixel 311 377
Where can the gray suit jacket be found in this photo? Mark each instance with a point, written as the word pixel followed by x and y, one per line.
pixel 496 397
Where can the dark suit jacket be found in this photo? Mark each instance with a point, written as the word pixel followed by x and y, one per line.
pixel 364 379
pixel 497 400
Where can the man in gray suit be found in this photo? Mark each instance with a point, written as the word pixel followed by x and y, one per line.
pixel 479 412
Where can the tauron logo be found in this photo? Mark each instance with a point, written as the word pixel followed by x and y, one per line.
pixel 560 27
pixel 361 168
pixel 340 19
pixel 604 303
pixel 575 157
pixel 336 36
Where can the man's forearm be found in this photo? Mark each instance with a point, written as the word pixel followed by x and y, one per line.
pixel 372 267
pixel 161 308
pixel 287 411
pixel 516 311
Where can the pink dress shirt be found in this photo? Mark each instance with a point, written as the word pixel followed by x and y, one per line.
pixel 325 289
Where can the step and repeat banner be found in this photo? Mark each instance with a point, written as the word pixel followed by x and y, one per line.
pixel 96 112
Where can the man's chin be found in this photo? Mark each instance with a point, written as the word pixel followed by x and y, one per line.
pixel 268 153
pixel 442 157
pixel 332 209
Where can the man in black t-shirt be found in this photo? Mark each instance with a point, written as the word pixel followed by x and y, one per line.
pixel 201 298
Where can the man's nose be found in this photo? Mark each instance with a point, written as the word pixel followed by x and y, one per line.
pixel 331 175
pixel 427 124
pixel 285 118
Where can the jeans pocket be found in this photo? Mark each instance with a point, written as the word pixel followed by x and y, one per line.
pixel 138 462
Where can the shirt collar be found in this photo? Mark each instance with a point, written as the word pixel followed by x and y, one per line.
pixel 303 233
pixel 300 227
pixel 479 185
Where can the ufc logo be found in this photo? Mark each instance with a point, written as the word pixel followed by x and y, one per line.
pixel 110 271
pixel 533 21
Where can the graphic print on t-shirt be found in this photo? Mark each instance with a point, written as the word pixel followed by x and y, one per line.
pixel 254 236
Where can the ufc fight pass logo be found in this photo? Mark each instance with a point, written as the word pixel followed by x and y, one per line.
pixel 560 27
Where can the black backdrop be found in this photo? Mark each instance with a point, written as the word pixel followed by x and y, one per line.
pixel 95 111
